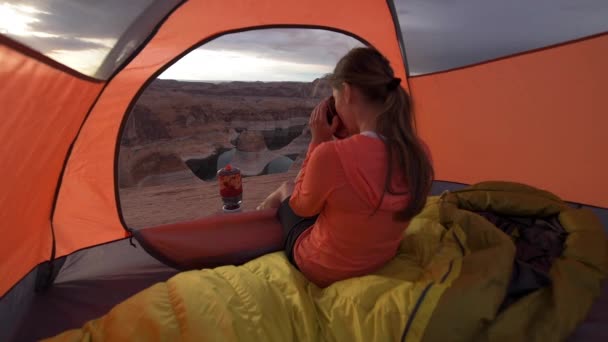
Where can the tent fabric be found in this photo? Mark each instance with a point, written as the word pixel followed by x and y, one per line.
pixel 42 110
pixel 545 110
pixel 86 207
pixel 14 305
pixel 89 283
pixel 73 24
pixel 535 118
pixel 441 35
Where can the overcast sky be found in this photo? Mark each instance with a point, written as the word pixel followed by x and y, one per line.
pixel 79 34
pixel 439 35
pixel 265 55
pixel 443 34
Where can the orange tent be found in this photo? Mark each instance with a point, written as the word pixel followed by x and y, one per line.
pixel 534 114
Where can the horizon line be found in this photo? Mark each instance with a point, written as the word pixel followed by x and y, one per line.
pixel 229 81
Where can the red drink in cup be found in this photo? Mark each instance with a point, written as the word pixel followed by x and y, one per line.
pixel 231 188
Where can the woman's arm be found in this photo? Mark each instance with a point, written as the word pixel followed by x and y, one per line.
pixel 285 190
pixel 321 132
pixel 316 181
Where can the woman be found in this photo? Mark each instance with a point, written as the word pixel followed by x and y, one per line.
pixel 345 214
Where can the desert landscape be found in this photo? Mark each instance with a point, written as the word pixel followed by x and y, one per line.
pixel 179 134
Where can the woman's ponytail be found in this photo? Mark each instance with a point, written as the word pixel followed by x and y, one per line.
pixel 368 70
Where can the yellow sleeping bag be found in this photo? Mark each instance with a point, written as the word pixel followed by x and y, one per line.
pixel 447 283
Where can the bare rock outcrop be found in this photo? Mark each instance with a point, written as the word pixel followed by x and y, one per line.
pixel 175 123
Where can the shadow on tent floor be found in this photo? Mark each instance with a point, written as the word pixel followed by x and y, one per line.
pixel 89 284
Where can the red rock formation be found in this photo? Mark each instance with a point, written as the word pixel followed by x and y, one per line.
pixel 175 121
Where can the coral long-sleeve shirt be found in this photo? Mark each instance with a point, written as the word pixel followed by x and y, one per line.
pixel 343 181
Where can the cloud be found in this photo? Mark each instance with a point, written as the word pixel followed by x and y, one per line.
pixel 76 19
pixel 265 55
pixel 438 34
pixel 75 32
pixel 214 65
pixel 290 45
pixel 79 34
pixel 47 45
pixel 445 34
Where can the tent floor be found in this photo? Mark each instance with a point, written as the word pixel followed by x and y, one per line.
pixel 89 284
pixel 70 305
pixel 72 301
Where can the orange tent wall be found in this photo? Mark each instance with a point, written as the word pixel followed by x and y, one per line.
pixel 86 211
pixel 540 118
pixel 537 118
pixel 42 110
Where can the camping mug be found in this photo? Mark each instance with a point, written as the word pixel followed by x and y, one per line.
pixel 341 131
pixel 231 188
pixel 331 109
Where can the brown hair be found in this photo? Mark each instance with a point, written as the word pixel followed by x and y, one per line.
pixel 370 72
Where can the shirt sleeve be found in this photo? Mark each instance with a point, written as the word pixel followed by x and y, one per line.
pixel 317 180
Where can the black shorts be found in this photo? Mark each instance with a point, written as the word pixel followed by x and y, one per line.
pixel 293 227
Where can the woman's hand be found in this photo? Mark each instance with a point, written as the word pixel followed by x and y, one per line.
pixel 271 202
pixel 275 199
pixel 320 129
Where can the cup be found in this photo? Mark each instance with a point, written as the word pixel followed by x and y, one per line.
pixel 231 188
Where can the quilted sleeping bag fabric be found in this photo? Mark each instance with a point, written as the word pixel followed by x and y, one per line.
pixel 448 282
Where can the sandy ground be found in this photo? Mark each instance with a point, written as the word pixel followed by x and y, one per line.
pixel 189 199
